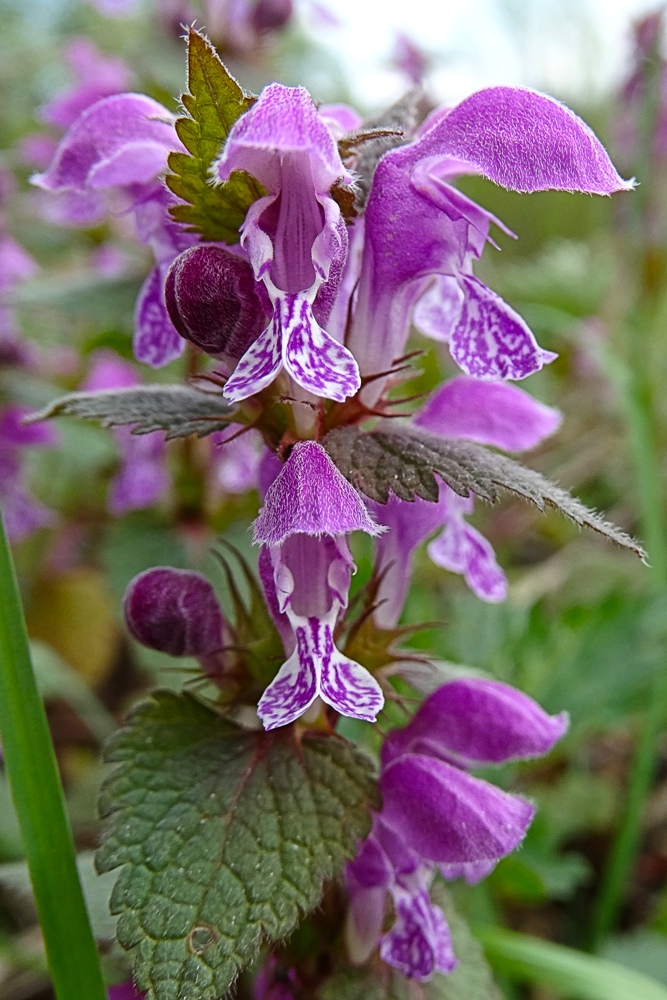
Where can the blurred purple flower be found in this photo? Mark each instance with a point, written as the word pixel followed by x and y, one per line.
pixel 22 513
pixel 96 76
pixel 434 815
pixel 142 479
pixel 121 144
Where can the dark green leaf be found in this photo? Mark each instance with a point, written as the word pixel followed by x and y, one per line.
pixel 406 461
pixel 214 102
pixel 177 409
pixel 226 837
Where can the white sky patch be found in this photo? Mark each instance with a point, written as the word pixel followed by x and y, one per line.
pixel 572 48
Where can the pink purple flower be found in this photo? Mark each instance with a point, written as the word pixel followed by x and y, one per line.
pixel 436 815
pixel 305 566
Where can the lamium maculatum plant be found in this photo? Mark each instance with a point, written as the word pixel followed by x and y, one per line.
pixel 302 249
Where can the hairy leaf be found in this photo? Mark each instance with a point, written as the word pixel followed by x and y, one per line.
pixel 406 461
pixel 177 409
pixel 214 102
pixel 471 980
pixel 226 837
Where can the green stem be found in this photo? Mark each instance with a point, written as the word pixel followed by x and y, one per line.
pixel 38 798
pixel 641 431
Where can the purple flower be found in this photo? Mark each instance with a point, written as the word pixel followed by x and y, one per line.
pixel 490 413
pixel 142 478
pixel 22 514
pixel 296 242
pixel 305 567
pixel 97 76
pixel 120 145
pixel 237 25
pixel 434 814
pixel 421 233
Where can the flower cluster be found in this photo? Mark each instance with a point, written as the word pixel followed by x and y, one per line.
pixel 352 242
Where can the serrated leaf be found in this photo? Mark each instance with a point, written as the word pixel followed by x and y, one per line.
pixel 406 462
pixel 177 409
pixel 226 837
pixel 214 102
pixel 471 980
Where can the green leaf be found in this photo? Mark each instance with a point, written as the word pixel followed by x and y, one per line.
pixel 37 793
pixel 575 975
pixel 406 461
pixel 226 837
pixel 214 102
pixel 179 410
pixel 471 980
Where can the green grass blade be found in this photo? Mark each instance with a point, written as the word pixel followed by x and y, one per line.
pixel 573 974
pixel 35 785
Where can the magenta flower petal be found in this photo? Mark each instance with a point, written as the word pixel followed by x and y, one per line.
pixel 124 991
pixel 490 340
pixel 494 413
pixel 448 816
pixel 121 140
pixel 311 496
pixel 420 943
pixel 460 548
pixel 472 871
pixel 98 76
pixel 475 722
pixel 316 361
pixel 347 686
pixel 142 479
pixel 175 611
pixel 282 119
pixel 524 141
pixel 293 689
pixel 258 367
pixel 156 341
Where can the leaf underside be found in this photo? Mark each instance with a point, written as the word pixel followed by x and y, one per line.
pixel 226 837
pixel 406 462
pixel 214 102
pixel 179 410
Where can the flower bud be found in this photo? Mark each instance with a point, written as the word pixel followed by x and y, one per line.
pixel 175 611
pixel 213 301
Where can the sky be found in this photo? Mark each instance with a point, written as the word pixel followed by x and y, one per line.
pixel 571 48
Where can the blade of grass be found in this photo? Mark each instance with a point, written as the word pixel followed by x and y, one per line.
pixel 573 974
pixel 38 798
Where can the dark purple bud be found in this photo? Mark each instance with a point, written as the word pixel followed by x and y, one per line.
pixel 214 301
pixel 271 15
pixel 175 611
pixel 124 991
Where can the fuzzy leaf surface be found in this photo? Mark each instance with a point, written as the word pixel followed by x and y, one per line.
pixel 177 409
pixel 470 980
pixel 226 836
pixel 213 103
pixel 406 462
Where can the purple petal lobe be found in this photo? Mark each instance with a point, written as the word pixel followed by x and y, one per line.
pixel 293 689
pixel 420 942
pixel 175 611
pixel 477 722
pixel 257 368
pixel 315 360
pixel 156 342
pixel 460 548
pixel 524 141
pixel 439 308
pixel 490 340
pixel 311 496
pixel 473 872
pixel 121 140
pixel 212 299
pixel 283 120
pixel 494 413
pixel 347 686
pixel 448 816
